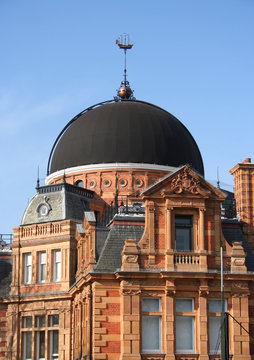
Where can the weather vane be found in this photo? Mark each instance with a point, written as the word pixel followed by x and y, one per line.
pixel 125 91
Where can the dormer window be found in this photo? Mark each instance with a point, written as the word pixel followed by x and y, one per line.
pixel 183 233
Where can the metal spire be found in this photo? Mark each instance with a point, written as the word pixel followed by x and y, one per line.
pixel 125 91
pixel 38 179
pixel 218 178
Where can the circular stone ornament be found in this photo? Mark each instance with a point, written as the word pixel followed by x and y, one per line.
pixel 43 210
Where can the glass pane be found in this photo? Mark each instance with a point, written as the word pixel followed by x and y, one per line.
pixel 215 306
pixel 183 239
pixel 27 321
pixel 54 320
pixel 214 333
pixel 41 344
pixel 184 333
pixel 40 321
pixel 57 271
pixel 57 256
pixel 43 258
pixel 80 183
pixel 43 272
pixel 183 220
pixel 150 333
pixel 27 342
pixel 55 342
pixel 28 259
pixel 151 305
pixel 184 305
pixel 28 274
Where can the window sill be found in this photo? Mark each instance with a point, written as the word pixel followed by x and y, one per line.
pixel 186 356
pixel 152 355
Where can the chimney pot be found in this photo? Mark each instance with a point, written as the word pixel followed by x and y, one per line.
pixel 246 161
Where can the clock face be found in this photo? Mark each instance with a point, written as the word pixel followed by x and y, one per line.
pixel 43 210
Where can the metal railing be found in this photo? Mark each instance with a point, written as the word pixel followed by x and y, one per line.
pixel 120 206
pixel 5 240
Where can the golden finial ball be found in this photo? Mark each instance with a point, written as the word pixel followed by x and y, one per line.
pixel 124 92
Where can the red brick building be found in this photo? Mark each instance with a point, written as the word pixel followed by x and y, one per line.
pixel 118 255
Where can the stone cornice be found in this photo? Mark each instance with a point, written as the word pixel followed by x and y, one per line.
pixel 119 166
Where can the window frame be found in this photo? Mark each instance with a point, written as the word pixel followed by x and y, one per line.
pixel 57 272
pixel 157 314
pixel 39 323
pixel 184 314
pixel 51 340
pixel 27 268
pixel 40 280
pixel 24 342
pixel 217 315
pixel 187 226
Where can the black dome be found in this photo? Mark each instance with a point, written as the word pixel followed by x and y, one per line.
pixel 125 131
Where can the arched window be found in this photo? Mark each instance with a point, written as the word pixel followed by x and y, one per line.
pixel 79 183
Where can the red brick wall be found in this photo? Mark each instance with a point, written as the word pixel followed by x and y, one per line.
pixel 3 331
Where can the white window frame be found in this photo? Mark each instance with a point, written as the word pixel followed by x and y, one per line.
pixel 42 263
pixel 56 267
pixel 157 314
pixel 24 344
pixel 27 268
pixel 54 356
pixel 189 314
pixel 40 329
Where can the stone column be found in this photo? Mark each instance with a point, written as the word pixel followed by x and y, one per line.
pixel 202 229
pixel 130 322
pixel 240 346
pixel 169 320
pixel 202 250
pixel 169 239
pixel 151 232
pixel 202 327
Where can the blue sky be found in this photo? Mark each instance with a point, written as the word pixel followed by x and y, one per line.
pixel 193 58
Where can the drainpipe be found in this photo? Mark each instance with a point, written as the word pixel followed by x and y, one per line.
pixel 91 322
pixel 73 345
pixel 18 314
pixel 81 326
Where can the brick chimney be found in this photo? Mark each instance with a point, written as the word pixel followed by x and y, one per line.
pixel 244 196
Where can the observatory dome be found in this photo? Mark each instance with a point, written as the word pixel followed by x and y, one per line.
pixel 125 131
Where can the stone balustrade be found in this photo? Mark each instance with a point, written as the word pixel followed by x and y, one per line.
pixel 186 259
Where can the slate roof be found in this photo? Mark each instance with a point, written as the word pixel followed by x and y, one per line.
pixel 232 232
pixel 110 259
pixel 64 200
pixel 5 276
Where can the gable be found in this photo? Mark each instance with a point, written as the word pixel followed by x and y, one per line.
pixel 184 181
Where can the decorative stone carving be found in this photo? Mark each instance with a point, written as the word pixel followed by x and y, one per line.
pixel 238 258
pixel 151 293
pixel 130 256
pixel 186 183
pixel 170 291
pixel 240 289
pixel 203 291
pixel 131 292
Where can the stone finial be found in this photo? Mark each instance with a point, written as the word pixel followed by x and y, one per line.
pixel 130 256
pixel 238 258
